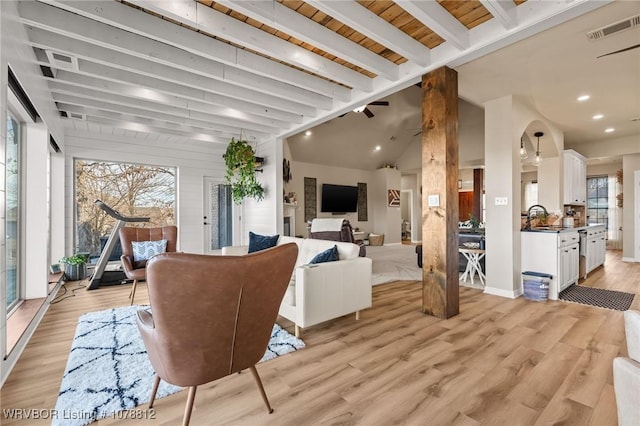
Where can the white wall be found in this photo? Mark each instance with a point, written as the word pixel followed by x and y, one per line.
pixel 506 119
pixel 630 208
pixel 331 175
pixel 194 160
pixel 470 141
pixel 265 217
pixel 387 219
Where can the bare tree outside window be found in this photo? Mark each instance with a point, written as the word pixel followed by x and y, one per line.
pixel 131 189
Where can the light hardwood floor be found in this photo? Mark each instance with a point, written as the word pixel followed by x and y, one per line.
pixel 500 361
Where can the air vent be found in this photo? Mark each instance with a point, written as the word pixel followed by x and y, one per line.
pixel 76 116
pixel 62 61
pixel 625 24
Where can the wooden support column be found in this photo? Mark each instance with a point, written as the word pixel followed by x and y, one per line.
pixel 440 283
pixel 478 190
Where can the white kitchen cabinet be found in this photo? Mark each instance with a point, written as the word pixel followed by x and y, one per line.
pixel 575 178
pixel 570 258
pixel 554 253
pixel 596 245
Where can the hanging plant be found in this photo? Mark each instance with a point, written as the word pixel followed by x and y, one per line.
pixel 240 161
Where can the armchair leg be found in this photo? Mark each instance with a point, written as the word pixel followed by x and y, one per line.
pixel 133 290
pixel 154 390
pixel 297 331
pixel 262 392
pixel 189 407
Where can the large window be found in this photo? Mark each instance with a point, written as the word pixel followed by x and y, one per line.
pixel 131 189
pixel 12 213
pixel 598 200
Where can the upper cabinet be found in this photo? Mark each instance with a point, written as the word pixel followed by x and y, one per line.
pixel 575 178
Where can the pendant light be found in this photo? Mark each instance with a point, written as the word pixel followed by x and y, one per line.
pixel 523 150
pixel 538 135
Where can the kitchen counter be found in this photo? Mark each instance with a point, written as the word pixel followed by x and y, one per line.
pixel 559 229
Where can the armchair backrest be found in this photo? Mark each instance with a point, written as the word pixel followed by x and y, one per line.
pixel 213 315
pixel 130 234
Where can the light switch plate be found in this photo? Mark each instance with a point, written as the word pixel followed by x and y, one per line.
pixel 502 201
pixel 434 200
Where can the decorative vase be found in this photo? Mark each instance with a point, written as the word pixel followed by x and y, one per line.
pixel 75 272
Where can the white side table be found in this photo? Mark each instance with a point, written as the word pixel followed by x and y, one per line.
pixel 474 267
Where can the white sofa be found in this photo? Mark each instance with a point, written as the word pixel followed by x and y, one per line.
pixel 323 291
pixel 626 374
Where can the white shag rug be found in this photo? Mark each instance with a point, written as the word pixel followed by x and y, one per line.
pixel 399 262
pixel 108 369
pixel 394 263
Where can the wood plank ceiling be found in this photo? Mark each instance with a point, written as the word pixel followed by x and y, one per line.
pixel 205 70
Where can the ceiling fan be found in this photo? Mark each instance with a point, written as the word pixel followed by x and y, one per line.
pixel 366 110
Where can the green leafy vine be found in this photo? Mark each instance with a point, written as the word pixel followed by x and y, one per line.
pixel 240 162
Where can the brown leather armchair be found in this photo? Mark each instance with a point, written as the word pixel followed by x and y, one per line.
pixel 220 321
pixel 136 271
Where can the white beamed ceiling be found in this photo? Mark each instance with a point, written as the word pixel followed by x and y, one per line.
pixel 185 69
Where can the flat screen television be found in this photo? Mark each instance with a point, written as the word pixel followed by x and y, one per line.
pixel 339 198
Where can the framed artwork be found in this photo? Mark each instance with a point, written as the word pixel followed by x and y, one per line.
pixel 55 268
pixel 394 197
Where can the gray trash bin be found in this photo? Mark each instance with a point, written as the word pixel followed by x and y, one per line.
pixel 536 285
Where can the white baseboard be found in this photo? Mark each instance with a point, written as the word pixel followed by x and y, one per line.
pixel 630 259
pixel 510 294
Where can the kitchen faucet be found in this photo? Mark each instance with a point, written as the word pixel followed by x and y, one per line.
pixel 527 225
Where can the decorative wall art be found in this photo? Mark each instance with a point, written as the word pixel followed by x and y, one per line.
pixel 363 215
pixel 394 198
pixel 286 171
pixel 310 199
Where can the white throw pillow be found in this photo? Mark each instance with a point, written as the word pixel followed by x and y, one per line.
pixel 145 250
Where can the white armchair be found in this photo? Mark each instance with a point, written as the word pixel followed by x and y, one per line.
pixel 626 374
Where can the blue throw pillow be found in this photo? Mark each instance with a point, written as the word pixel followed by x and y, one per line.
pixel 329 255
pixel 261 242
pixel 145 250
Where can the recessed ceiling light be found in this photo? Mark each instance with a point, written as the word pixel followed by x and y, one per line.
pixel 378 148
pixel 609 130
pixel 583 98
pixel 307 133
pixel 597 116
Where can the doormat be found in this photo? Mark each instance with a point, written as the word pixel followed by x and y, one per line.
pixel 608 299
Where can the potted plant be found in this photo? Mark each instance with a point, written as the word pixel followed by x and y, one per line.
pixel 75 267
pixel 241 161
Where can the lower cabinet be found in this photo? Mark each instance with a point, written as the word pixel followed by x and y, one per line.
pixel 569 261
pixel 595 251
pixel 553 253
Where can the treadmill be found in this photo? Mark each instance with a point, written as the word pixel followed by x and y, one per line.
pixel 103 273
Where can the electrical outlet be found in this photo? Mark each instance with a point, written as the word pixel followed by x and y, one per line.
pixel 502 201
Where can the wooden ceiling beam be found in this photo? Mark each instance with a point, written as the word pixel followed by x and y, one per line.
pixel 187 110
pixel 109 117
pixel 79 29
pixel 362 20
pixel 89 84
pixel 503 10
pixel 286 20
pixel 98 60
pixel 439 20
pixel 216 23
pixel 193 118
pixel 138 22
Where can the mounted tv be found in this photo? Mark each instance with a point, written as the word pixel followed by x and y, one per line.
pixel 339 198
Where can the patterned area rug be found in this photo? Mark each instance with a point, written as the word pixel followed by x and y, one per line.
pixel 108 369
pixel 600 297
